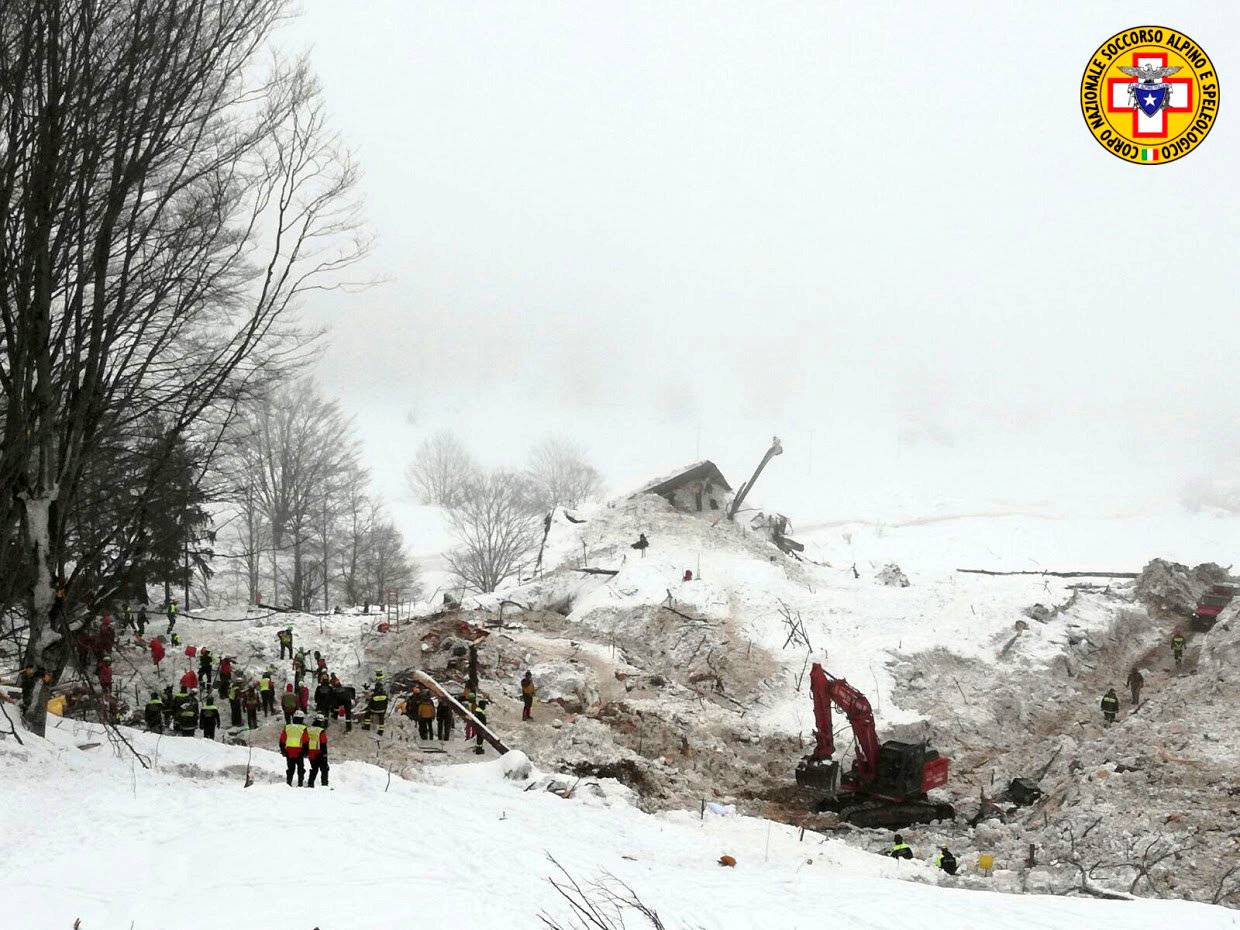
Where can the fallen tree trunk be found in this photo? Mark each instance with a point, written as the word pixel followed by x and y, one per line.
pixel 984 571
pixel 597 571
pixel 460 710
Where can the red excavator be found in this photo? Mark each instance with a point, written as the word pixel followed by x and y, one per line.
pixel 887 784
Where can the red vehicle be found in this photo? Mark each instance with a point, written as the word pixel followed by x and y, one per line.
pixel 887 784
pixel 1211 605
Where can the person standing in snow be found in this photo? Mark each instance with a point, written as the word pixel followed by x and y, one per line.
pixel 376 708
pixel 288 702
pixel 293 743
pixel 157 652
pixel 141 620
pixel 189 680
pixel 480 711
pixel 426 716
pixel 1110 705
pixel 323 697
pixel 170 707
pixel 249 698
pixel 225 675
pixel 316 748
pixel 1135 681
pixel 234 703
pixel 303 697
pixel 320 664
pixel 299 667
pixel 1177 648
pixel 946 861
pixel 209 719
pixel 172 614
pixel 154 713
pixel 642 544
pixel 900 849
pixel 343 697
pixel 443 720
pixel 187 712
pixel 267 693
pixel 285 637
pixel 205 668
pixel 527 696
pixel 127 617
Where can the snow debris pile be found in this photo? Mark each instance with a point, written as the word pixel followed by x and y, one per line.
pixel 1177 588
pixel 892 576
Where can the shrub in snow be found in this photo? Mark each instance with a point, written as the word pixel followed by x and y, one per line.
pixel 892 576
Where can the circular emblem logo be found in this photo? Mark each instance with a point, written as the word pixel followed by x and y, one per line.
pixel 1149 95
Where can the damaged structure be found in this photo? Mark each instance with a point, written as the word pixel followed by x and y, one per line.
pixel 696 488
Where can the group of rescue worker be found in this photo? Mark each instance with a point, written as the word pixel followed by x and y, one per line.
pixel 943 860
pixel 1136 681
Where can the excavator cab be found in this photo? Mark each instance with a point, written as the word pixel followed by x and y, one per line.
pixel 907 770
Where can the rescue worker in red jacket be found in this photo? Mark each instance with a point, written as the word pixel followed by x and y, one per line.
pixel 157 652
pixel 293 743
pixel 105 673
pixel 189 680
pixel 316 748
pixel 225 675
pixel 303 697
pixel 288 702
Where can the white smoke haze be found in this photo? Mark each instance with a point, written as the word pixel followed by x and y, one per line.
pixel 881 232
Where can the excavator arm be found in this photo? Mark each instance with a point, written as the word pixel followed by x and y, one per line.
pixel 828 690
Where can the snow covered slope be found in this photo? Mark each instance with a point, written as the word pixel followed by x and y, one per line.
pixel 91 835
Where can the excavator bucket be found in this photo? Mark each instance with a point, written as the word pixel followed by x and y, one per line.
pixel 821 776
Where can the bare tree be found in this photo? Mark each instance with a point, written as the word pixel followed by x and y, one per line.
pixel 296 454
pixel 385 566
pixel 440 470
pixel 495 529
pixel 558 475
pixel 167 192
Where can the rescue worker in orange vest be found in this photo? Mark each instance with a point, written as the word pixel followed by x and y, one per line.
pixel 316 748
pixel 293 742
pixel 426 716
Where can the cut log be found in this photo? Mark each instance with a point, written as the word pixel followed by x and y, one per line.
pixel 985 571
pixel 597 571
pixel 460 710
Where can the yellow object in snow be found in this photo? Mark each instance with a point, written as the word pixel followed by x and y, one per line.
pixel 57 705
pixel 985 862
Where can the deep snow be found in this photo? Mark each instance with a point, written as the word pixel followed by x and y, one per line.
pixel 91 835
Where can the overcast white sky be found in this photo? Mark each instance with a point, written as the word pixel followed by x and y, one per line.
pixel 880 230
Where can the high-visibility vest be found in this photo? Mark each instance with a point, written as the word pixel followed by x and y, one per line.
pixel 315 733
pixel 426 710
pixel 292 734
pixel 264 684
pixel 154 702
pixel 528 689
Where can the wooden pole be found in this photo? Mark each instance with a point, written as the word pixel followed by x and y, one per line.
pixel 435 687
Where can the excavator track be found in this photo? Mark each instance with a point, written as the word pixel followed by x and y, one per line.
pixel 876 813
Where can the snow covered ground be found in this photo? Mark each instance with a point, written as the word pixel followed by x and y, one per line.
pixel 184 845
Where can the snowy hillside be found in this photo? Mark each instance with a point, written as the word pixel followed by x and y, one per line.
pixel 184 845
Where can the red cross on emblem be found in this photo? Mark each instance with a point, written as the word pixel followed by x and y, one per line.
pixel 1180 99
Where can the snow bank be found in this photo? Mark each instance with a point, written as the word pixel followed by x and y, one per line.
pixel 166 849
